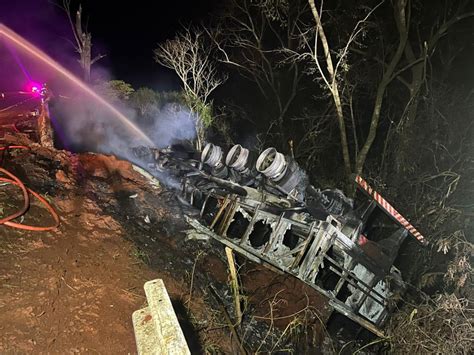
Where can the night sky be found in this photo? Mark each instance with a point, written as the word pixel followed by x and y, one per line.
pixel 127 31
pixel 130 33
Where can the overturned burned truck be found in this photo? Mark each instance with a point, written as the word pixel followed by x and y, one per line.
pixel 263 207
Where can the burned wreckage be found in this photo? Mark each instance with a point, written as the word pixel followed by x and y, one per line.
pixel 263 207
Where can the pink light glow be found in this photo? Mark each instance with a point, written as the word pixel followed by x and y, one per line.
pixel 33 87
pixel 34 51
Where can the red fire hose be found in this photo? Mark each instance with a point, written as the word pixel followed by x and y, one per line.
pixel 12 179
pixel 26 198
pixel 14 147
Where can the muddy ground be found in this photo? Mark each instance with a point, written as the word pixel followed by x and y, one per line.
pixel 74 290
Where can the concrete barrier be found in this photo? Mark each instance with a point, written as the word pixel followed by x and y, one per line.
pixel 156 327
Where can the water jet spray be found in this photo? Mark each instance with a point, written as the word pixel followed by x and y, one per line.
pixel 22 43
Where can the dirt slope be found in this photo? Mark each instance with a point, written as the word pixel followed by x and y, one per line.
pixel 70 290
pixel 74 290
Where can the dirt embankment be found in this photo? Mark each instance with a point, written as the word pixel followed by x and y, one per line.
pixel 74 290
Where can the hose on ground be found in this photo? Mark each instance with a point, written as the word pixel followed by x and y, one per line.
pixel 26 198
pixel 14 180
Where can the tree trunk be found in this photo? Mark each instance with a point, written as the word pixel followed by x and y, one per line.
pixel 86 57
pixel 343 134
pixel 333 87
pixel 84 46
pixel 406 134
pixel 402 18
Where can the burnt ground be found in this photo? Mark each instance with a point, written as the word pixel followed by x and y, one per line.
pixel 74 290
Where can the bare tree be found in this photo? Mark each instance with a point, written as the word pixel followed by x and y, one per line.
pixel 331 78
pixel 330 61
pixel 413 74
pixel 190 55
pixel 83 40
pixel 249 39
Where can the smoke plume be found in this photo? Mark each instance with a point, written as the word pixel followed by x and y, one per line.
pixel 81 124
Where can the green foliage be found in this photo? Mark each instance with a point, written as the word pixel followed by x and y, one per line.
pixel 205 113
pixel 168 97
pixel 114 90
pixel 144 99
pixel 140 255
pixel 202 109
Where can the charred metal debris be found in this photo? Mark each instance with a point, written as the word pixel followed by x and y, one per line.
pixel 263 207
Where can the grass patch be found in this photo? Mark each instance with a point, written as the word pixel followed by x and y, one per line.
pixel 140 255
